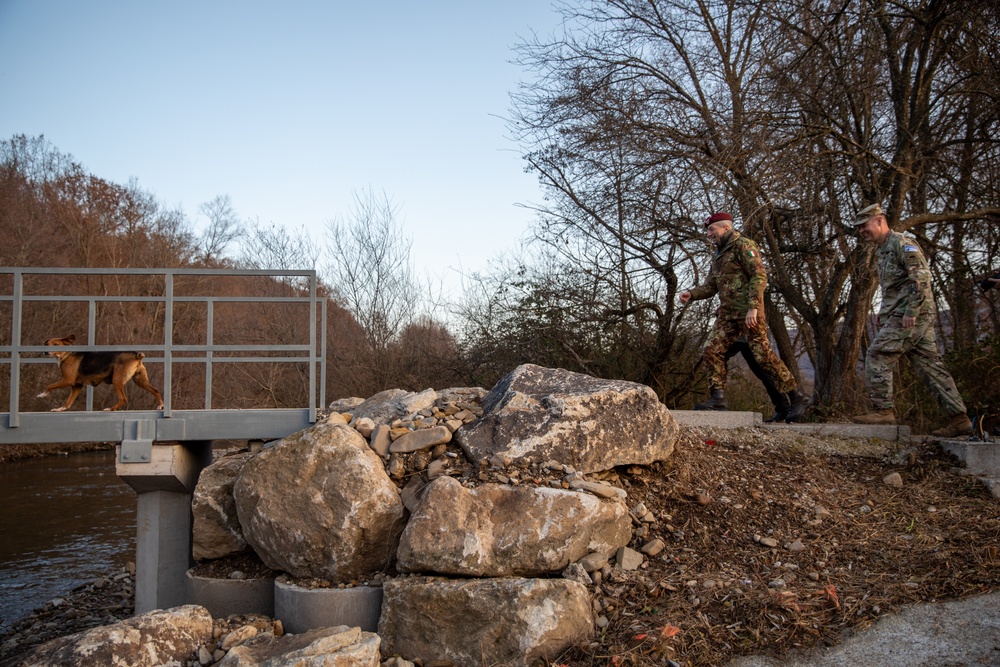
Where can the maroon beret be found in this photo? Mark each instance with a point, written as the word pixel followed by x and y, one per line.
pixel 717 217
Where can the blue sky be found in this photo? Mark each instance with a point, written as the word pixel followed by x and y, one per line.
pixel 288 108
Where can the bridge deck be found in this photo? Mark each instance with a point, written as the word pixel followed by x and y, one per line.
pixel 182 425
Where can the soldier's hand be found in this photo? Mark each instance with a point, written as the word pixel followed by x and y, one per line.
pixel 908 321
pixel 685 296
pixel 752 317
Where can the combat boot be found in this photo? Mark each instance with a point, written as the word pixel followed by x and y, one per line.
pixel 717 402
pixel 781 407
pixel 876 417
pixel 798 402
pixel 959 425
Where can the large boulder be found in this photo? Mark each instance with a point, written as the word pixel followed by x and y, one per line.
pixel 484 621
pixel 536 414
pixel 497 530
pixel 339 646
pixel 319 504
pixel 169 638
pixel 216 530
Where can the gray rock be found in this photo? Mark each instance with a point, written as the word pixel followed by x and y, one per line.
pixel 160 637
pixel 380 440
pixel 387 406
pixel 506 621
pixel 538 414
pixel 216 530
pixel 628 559
pixel 426 438
pixel 338 646
pixel 497 530
pixel 320 505
pixel 345 404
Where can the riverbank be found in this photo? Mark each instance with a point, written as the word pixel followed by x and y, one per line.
pixel 104 600
pixel 22 452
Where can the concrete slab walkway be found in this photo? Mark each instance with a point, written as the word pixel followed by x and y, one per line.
pixel 958 632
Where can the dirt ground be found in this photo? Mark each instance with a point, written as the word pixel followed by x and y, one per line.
pixel 848 548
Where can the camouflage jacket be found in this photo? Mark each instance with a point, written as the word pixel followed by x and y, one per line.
pixel 737 276
pixel 904 277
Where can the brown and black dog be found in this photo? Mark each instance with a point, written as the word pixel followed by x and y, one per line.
pixel 94 368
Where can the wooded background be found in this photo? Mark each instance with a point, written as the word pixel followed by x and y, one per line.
pixel 643 117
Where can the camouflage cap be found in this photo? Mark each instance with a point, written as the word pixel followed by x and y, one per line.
pixel 867 213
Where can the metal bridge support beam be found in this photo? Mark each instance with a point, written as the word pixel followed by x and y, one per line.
pixel 164 477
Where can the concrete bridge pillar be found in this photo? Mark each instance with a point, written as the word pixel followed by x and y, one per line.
pixel 164 477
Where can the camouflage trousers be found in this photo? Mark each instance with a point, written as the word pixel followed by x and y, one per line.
pixel 727 332
pixel 919 345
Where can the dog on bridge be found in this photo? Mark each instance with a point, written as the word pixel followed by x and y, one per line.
pixel 94 368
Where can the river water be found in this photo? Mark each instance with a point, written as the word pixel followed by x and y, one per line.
pixel 64 521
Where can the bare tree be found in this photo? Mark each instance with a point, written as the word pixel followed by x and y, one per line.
pixel 222 230
pixel 371 272
pixel 651 113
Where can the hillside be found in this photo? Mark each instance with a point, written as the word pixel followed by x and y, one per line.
pixel 848 549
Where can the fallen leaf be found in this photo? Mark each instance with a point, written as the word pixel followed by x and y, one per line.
pixel 639 637
pixel 669 630
pixel 831 594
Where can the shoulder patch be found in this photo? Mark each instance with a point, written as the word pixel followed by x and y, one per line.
pixel 751 253
pixel 910 248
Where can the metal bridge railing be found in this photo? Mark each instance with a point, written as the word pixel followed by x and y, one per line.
pixel 304 292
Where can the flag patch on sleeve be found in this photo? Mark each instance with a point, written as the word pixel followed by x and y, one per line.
pixel 910 248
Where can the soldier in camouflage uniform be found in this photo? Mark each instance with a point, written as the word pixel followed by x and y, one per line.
pixel 906 327
pixel 739 278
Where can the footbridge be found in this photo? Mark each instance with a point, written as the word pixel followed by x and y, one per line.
pixel 189 321
pixel 237 355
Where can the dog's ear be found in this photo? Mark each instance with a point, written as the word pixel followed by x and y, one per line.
pixel 70 338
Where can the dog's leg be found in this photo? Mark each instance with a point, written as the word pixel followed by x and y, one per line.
pixel 73 393
pixel 65 382
pixel 142 379
pixel 118 381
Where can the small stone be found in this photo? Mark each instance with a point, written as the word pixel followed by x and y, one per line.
pixel 768 542
pixel 364 426
pixel 278 628
pixel 238 575
pixel 436 468
pixel 814 576
pixel 776 583
pixel 602 622
pixel 380 440
pixel 821 512
pixel 653 548
pixel 238 636
pixel 893 480
pixel 703 498
pixel 629 559
pixel 593 562
pixel 205 656
pixel 413 441
pixel 796 546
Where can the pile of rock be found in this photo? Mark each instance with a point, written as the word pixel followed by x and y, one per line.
pixel 491 520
